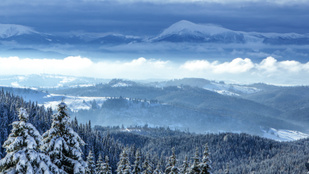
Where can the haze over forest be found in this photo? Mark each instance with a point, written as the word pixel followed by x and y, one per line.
pixel 151 80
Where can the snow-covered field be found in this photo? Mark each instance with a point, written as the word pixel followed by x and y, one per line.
pixel 75 103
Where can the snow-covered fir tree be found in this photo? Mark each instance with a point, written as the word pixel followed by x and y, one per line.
pixel 99 166
pixel 172 169
pixel 123 166
pixel 168 167
pixel 205 164
pixel 90 163
pixel 147 165
pixel 23 150
pixel 137 169
pixel 185 169
pixel 63 144
pixel 106 168
pixel 158 168
pixel 227 170
pixel 195 169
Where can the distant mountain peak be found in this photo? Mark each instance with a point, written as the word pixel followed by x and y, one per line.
pixel 186 31
pixel 187 27
pixel 9 30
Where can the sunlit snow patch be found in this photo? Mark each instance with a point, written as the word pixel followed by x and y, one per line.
pixel 75 103
pixel 284 135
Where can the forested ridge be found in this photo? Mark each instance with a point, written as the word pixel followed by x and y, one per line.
pixel 239 153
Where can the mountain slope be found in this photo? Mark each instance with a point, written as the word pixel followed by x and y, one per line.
pixel 10 30
pixel 185 31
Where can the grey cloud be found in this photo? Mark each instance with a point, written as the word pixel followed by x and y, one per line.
pixel 150 18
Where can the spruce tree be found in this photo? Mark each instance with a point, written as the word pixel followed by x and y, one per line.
pixel 227 170
pixel 90 163
pixel 195 169
pixel 205 164
pixel 62 143
pixel 23 150
pixel 123 166
pixel 99 166
pixel 147 165
pixel 106 169
pixel 185 169
pixel 137 163
pixel 158 169
pixel 172 169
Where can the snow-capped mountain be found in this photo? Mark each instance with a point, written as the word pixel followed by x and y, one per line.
pixel 186 31
pixel 182 31
pixel 9 30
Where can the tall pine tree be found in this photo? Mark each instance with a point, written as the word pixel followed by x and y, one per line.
pixel 99 166
pixel 106 169
pixel 90 163
pixel 23 150
pixel 123 166
pixel 62 143
pixel 147 165
pixel 195 169
pixel 137 163
pixel 185 166
pixel 205 164
pixel 171 167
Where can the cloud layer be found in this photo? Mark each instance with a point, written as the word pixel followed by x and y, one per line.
pixel 238 70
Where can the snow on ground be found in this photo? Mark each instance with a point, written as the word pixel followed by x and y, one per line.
pixel 74 103
pixel 230 89
pixel 121 84
pixel 284 135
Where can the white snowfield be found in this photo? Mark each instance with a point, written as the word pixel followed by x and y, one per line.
pixel 284 135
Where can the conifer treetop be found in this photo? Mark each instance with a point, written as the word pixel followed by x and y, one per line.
pixel 63 144
pixel 23 150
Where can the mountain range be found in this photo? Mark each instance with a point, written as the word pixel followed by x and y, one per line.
pixel 184 36
pixel 182 31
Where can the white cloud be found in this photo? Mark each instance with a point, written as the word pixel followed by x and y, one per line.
pixel 239 70
pixel 15 65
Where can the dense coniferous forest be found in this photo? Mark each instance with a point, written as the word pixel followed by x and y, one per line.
pixel 239 153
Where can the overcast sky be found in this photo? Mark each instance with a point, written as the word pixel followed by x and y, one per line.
pixel 150 17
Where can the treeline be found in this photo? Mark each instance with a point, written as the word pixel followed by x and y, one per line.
pixel 240 153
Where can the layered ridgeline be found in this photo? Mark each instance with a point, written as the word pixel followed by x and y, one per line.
pixel 196 105
pixel 185 37
pixel 239 153
pixel 182 31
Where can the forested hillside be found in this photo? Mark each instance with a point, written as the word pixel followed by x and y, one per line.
pixel 241 153
pixel 189 103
